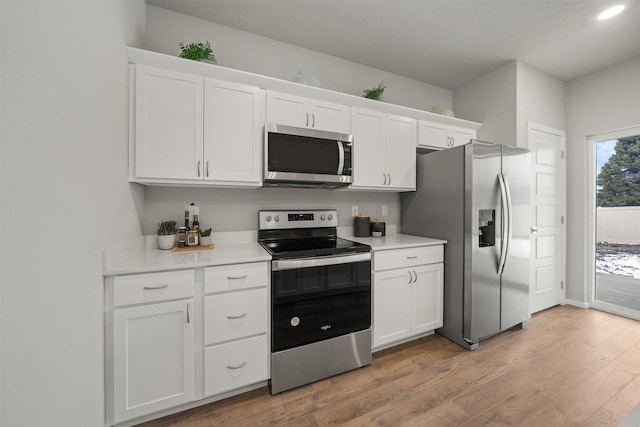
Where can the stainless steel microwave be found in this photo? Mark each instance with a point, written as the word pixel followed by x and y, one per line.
pixel 299 157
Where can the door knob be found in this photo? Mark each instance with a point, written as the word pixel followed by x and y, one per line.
pixel 534 230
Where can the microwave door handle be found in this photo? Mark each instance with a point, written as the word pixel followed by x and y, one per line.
pixel 340 157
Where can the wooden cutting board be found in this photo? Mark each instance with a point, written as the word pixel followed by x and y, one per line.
pixel 193 248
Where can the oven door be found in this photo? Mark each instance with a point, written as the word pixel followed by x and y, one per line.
pixel 318 298
pixel 306 155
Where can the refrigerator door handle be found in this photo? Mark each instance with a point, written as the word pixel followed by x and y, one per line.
pixel 505 223
pixel 505 194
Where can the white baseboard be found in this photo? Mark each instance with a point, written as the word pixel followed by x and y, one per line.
pixel 579 304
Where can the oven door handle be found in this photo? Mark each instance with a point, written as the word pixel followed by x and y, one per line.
pixel 291 264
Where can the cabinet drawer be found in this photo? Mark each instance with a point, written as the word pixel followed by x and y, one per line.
pixel 236 364
pixel 235 315
pixel 235 277
pixel 141 288
pixel 400 258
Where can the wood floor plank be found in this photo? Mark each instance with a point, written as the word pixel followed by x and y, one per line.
pixel 570 367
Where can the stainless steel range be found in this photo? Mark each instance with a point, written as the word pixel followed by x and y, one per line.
pixel 320 297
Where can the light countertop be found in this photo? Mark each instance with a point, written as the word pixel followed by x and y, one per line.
pixel 396 241
pixel 142 255
pixel 141 258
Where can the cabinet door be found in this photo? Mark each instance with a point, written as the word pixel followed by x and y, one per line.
pixel 391 306
pixel 153 358
pixel 288 109
pixel 427 298
pixel 369 149
pixel 330 117
pixel 433 135
pixel 169 114
pixel 401 153
pixel 234 115
pixel 461 136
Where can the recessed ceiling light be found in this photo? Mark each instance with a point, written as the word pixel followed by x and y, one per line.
pixel 611 12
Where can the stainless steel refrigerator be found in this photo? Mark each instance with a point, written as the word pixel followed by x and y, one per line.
pixel 476 197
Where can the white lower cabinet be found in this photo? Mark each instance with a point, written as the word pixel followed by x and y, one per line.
pixel 236 322
pixel 171 333
pixel 407 301
pixel 154 365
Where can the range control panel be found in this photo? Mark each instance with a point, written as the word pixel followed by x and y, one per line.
pixel 297 219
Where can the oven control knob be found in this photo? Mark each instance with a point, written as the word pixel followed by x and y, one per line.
pixel 295 321
pixel 277 218
pixel 330 217
pixel 268 218
pixel 322 217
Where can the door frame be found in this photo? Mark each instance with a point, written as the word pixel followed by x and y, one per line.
pixel 562 175
pixel 590 246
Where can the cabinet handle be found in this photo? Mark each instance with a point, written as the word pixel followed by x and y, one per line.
pixel 412 257
pixel 188 313
pixel 207 169
pixel 410 278
pixel 241 365
pixel 415 275
pixel 239 316
pixel 155 288
pixel 198 169
pixel 237 277
pixel 307 125
pixel 313 123
pixel 389 179
pixel 385 178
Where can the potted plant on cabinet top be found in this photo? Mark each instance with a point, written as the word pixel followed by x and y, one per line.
pixel 198 52
pixel 166 232
pixel 375 92
pixel 205 237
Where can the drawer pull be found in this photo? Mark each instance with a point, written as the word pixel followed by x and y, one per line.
pixel 412 257
pixel 242 365
pixel 239 316
pixel 237 277
pixel 155 288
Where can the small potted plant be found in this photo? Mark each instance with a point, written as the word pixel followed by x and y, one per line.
pixel 205 237
pixel 166 232
pixel 375 92
pixel 198 52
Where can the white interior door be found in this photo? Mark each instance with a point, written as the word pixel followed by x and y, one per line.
pixel 547 269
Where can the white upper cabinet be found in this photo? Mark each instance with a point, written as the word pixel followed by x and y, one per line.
pixel 169 114
pixel 202 130
pixel 234 115
pixel 293 110
pixel 440 136
pixel 384 155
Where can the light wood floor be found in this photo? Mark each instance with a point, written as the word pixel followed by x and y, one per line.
pixel 571 367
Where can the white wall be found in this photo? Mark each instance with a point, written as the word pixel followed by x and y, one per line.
pixel 540 99
pixel 257 54
pixel 597 103
pixel 65 197
pixel 237 210
pixel 490 100
pixel 507 98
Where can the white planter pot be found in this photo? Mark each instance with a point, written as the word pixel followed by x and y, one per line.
pixel 166 242
pixel 205 240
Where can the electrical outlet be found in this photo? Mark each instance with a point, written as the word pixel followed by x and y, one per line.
pixel 354 211
pixel 385 210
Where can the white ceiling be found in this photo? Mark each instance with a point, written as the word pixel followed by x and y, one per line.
pixel 443 42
